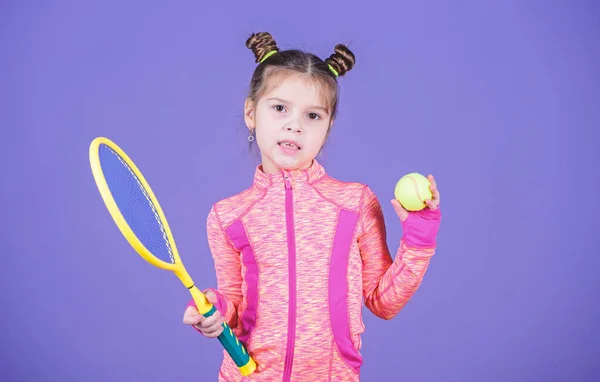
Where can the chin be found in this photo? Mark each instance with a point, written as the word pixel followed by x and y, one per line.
pixel 288 164
pixel 294 164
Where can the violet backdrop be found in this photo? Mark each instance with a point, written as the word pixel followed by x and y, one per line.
pixel 499 100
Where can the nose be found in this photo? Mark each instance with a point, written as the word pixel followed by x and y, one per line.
pixel 293 126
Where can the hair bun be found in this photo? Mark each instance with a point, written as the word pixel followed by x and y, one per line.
pixel 342 60
pixel 261 43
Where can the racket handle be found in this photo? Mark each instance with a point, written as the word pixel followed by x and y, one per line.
pixel 234 347
pixel 230 342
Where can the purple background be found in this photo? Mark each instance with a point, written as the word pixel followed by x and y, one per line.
pixel 500 102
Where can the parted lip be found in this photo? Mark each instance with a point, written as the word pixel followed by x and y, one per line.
pixel 290 141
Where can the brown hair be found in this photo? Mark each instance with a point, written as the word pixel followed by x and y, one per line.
pixel 342 61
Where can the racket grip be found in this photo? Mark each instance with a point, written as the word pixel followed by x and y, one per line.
pixel 234 347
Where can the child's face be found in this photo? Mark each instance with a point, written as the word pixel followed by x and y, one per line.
pixel 291 123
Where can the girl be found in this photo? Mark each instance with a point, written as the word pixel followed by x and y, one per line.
pixel 297 251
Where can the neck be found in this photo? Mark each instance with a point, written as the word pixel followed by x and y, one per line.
pixel 270 168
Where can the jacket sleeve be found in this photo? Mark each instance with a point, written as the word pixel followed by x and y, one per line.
pixel 228 270
pixel 389 284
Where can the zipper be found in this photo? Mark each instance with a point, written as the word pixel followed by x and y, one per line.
pixel 291 240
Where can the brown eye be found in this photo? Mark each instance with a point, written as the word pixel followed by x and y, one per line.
pixel 279 108
pixel 314 116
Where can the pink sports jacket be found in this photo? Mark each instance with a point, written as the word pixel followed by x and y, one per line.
pixel 295 254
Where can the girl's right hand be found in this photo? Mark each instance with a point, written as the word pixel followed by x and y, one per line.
pixel 209 326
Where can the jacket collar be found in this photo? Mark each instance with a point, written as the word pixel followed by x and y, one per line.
pixel 309 175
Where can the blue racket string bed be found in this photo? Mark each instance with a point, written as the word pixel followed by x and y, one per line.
pixel 135 204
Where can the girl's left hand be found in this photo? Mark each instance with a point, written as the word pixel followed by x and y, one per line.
pixel 433 204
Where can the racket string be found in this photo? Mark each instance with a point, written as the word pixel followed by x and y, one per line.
pixel 130 203
pixel 156 216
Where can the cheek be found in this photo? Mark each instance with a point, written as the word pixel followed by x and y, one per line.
pixel 264 119
pixel 261 136
pixel 316 140
pixel 268 123
pixel 265 131
pixel 323 132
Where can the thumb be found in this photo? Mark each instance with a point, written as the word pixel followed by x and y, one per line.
pixel 400 211
pixel 211 296
pixel 192 317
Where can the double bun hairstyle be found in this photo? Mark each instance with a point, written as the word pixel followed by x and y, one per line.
pixel 273 61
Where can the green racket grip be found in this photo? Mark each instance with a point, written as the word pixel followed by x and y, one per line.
pixel 234 347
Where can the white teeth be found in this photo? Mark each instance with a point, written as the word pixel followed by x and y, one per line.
pixel 289 145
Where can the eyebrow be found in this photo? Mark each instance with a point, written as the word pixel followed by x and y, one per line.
pixel 290 102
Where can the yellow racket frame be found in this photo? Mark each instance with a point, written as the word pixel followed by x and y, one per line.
pixel 204 306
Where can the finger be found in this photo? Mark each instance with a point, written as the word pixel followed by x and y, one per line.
pixel 215 333
pixel 193 319
pixel 433 184
pixel 432 180
pixel 191 316
pixel 212 320
pixel 432 204
pixel 191 310
pixel 217 328
pixel 433 187
pixel 435 194
pixel 400 211
pixel 211 297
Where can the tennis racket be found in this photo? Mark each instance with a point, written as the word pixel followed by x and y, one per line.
pixel 135 209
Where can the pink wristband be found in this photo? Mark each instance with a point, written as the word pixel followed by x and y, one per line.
pixel 421 227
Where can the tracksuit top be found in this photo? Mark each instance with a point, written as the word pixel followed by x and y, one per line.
pixel 295 254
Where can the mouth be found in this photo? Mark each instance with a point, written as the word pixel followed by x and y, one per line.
pixel 288 144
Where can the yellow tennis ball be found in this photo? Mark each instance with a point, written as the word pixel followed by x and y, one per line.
pixel 412 190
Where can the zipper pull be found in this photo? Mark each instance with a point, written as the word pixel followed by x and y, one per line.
pixel 288 184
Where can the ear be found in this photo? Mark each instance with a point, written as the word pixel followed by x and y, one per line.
pixel 329 129
pixel 249 114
